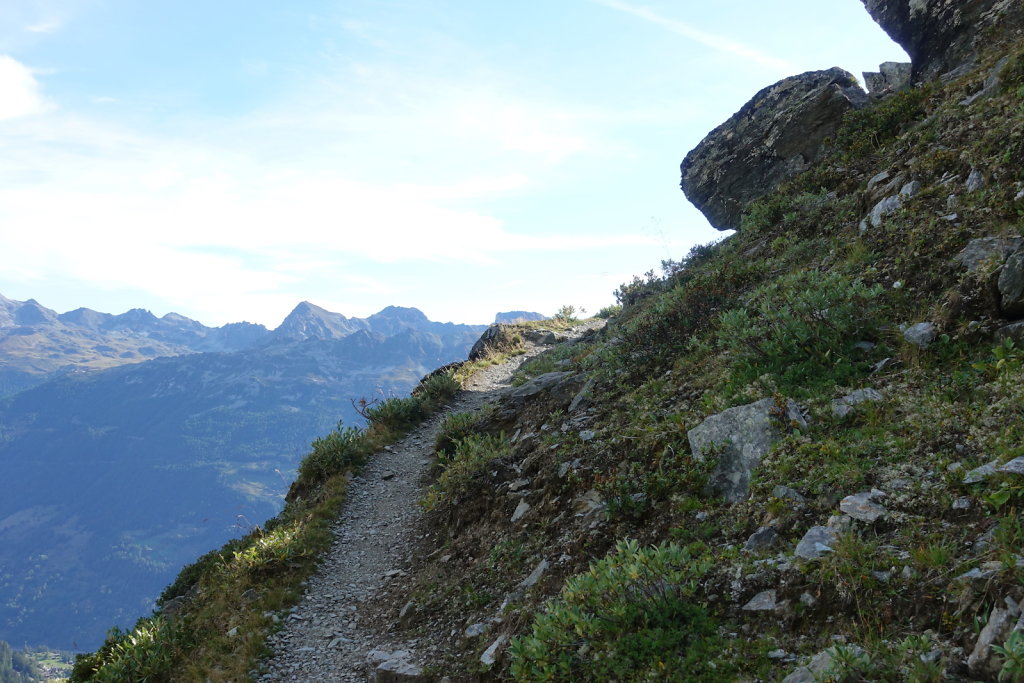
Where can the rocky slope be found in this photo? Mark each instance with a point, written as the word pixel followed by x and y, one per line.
pixel 794 457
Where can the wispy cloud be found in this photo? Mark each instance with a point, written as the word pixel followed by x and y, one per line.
pixel 715 42
pixel 47 26
pixel 20 94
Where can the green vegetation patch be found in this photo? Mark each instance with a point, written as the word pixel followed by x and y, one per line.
pixel 631 617
pixel 460 468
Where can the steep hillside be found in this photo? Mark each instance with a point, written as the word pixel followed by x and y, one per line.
pixel 794 456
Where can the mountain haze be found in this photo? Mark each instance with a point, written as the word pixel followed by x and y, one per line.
pixel 115 477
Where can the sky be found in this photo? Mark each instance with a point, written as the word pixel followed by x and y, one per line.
pixel 227 160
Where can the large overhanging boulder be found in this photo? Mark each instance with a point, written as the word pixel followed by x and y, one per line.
pixel 774 137
pixel 940 35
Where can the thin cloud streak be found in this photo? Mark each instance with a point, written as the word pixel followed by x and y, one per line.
pixel 715 42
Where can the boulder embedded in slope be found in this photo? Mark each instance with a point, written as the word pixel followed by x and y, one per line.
pixel 739 437
pixel 774 137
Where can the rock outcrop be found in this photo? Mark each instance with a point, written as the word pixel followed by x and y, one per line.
pixel 890 77
pixel 774 137
pixel 739 437
pixel 940 35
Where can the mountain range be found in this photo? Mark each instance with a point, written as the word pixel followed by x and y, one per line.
pixel 130 444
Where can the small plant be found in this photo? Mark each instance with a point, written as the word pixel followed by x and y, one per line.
pixel 1012 652
pixel 630 617
pixel 567 314
pixel 337 452
pixel 462 466
pixel 144 653
pixel 455 427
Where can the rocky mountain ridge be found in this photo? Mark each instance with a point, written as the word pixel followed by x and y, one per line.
pixel 37 343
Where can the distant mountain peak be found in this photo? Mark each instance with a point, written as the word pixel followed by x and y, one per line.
pixel 33 313
pixel 309 321
pixel 403 313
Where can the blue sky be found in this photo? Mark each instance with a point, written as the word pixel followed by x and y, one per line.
pixel 226 160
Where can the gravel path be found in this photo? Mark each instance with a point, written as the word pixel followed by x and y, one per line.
pixel 326 637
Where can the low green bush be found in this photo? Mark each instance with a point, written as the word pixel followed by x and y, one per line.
pixel 341 450
pixel 629 618
pixel 439 388
pixel 468 459
pixel 456 427
pixel 146 653
pixel 802 329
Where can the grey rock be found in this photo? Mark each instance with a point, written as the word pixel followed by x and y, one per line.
pixel 172 607
pixel 980 474
pixel 992 84
pixel 785 492
pixel 891 77
pixel 475 630
pixel 765 601
pixel 911 189
pixel 540 336
pixel 984 542
pixel 535 576
pixel 1015 466
pixel 1013 331
pixel 376 657
pixel 1011 285
pixel 840 523
pixel 761 540
pixel 878 179
pixel 816 542
pixel 983 660
pixel 740 437
pixel 920 335
pixel 841 407
pixel 587 435
pixel 962 503
pixel 862 507
pixel 976 574
pixel 490 655
pixel 985 251
pixel 582 398
pixel 885 207
pixel 942 35
pixel 538 384
pixel 520 510
pixel 398 670
pixel 492 339
pixel 775 136
pixel 407 614
pixel 975 181
pixel 821 664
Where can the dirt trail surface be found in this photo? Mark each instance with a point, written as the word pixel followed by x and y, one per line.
pixel 327 637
